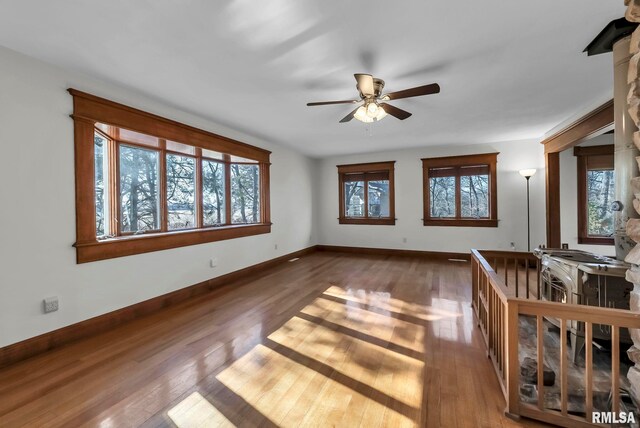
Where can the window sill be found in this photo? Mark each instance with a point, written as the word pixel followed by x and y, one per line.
pixel 138 244
pixel 369 221
pixel 595 240
pixel 462 222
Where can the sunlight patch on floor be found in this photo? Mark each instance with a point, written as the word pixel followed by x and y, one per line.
pixel 196 411
pixel 292 394
pixel 380 326
pixel 384 301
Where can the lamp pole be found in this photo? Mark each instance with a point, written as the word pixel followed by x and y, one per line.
pixel 527 174
pixel 528 218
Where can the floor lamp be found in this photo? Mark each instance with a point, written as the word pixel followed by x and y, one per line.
pixel 528 173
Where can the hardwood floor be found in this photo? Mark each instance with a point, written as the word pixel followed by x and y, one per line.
pixel 327 340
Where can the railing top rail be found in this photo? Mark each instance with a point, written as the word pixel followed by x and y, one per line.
pixel 501 289
pixel 518 255
pixel 568 311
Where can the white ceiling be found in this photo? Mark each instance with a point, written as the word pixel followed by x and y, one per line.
pixel 509 70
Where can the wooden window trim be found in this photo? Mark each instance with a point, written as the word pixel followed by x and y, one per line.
pixel 583 154
pixel 363 168
pixel 89 110
pixel 490 159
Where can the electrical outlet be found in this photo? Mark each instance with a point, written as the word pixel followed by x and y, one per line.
pixel 404 240
pixel 276 247
pixel 213 262
pixel 50 304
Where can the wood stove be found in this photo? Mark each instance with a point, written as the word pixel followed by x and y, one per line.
pixel 582 278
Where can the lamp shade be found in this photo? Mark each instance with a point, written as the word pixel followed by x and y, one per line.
pixel 526 173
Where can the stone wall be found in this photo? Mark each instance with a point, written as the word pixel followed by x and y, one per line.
pixel 633 225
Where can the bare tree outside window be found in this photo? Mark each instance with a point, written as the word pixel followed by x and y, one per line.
pixel 213 182
pixel 378 198
pixel 245 193
pixel 600 194
pixel 443 196
pixel 139 188
pixel 100 148
pixel 354 198
pixel 474 196
pixel 181 192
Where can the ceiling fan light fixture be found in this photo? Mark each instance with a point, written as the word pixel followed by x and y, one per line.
pixel 372 109
pixel 363 114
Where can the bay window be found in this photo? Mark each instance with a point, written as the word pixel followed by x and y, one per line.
pixel 154 184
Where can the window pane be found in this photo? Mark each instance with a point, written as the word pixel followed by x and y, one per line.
pixel 442 191
pixel 474 196
pixel 172 146
pixel 212 155
pixel 600 192
pixel 139 188
pixel 379 198
pixel 213 193
pixel 245 194
pixel 100 146
pixel 354 198
pixel 181 192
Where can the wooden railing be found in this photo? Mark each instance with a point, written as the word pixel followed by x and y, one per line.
pixel 498 307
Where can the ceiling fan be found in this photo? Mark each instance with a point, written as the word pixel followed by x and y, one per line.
pixel 371 109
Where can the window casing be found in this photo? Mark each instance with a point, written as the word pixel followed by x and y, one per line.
pixel 145 183
pixel 596 191
pixel 460 191
pixel 366 193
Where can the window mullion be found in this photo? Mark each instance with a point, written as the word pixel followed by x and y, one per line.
pixel 164 211
pixel 198 190
pixel 366 198
pixel 458 195
pixel 114 190
pixel 118 198
pixel 227 189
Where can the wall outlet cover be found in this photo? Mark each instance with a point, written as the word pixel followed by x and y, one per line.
pixel 50 304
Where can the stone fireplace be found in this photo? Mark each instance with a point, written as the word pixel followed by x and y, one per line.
pixel 633 223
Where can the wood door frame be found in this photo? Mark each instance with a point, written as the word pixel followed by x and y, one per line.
pixel 588 126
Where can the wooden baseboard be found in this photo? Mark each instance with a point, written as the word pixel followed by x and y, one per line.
pixel 36 345
pixel 393 252
pixel 30 347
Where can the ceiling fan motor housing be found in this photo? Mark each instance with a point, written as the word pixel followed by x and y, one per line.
pixel 378 85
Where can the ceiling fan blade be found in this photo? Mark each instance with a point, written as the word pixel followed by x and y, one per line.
pixel 395 111
pixel 348 117
pixel 324 103
pixel 365 84
pixel 433 88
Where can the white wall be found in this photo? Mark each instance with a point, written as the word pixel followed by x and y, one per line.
pixel 37 215
pixel 512 213
pixel 569 199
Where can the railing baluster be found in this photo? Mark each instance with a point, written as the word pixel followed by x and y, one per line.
pixel 588 368
pixel 526 278
pixel 538 277
pixel 516 263
pixel 563 366
pixel 540 333
pixel 615 368
pixel 506 272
